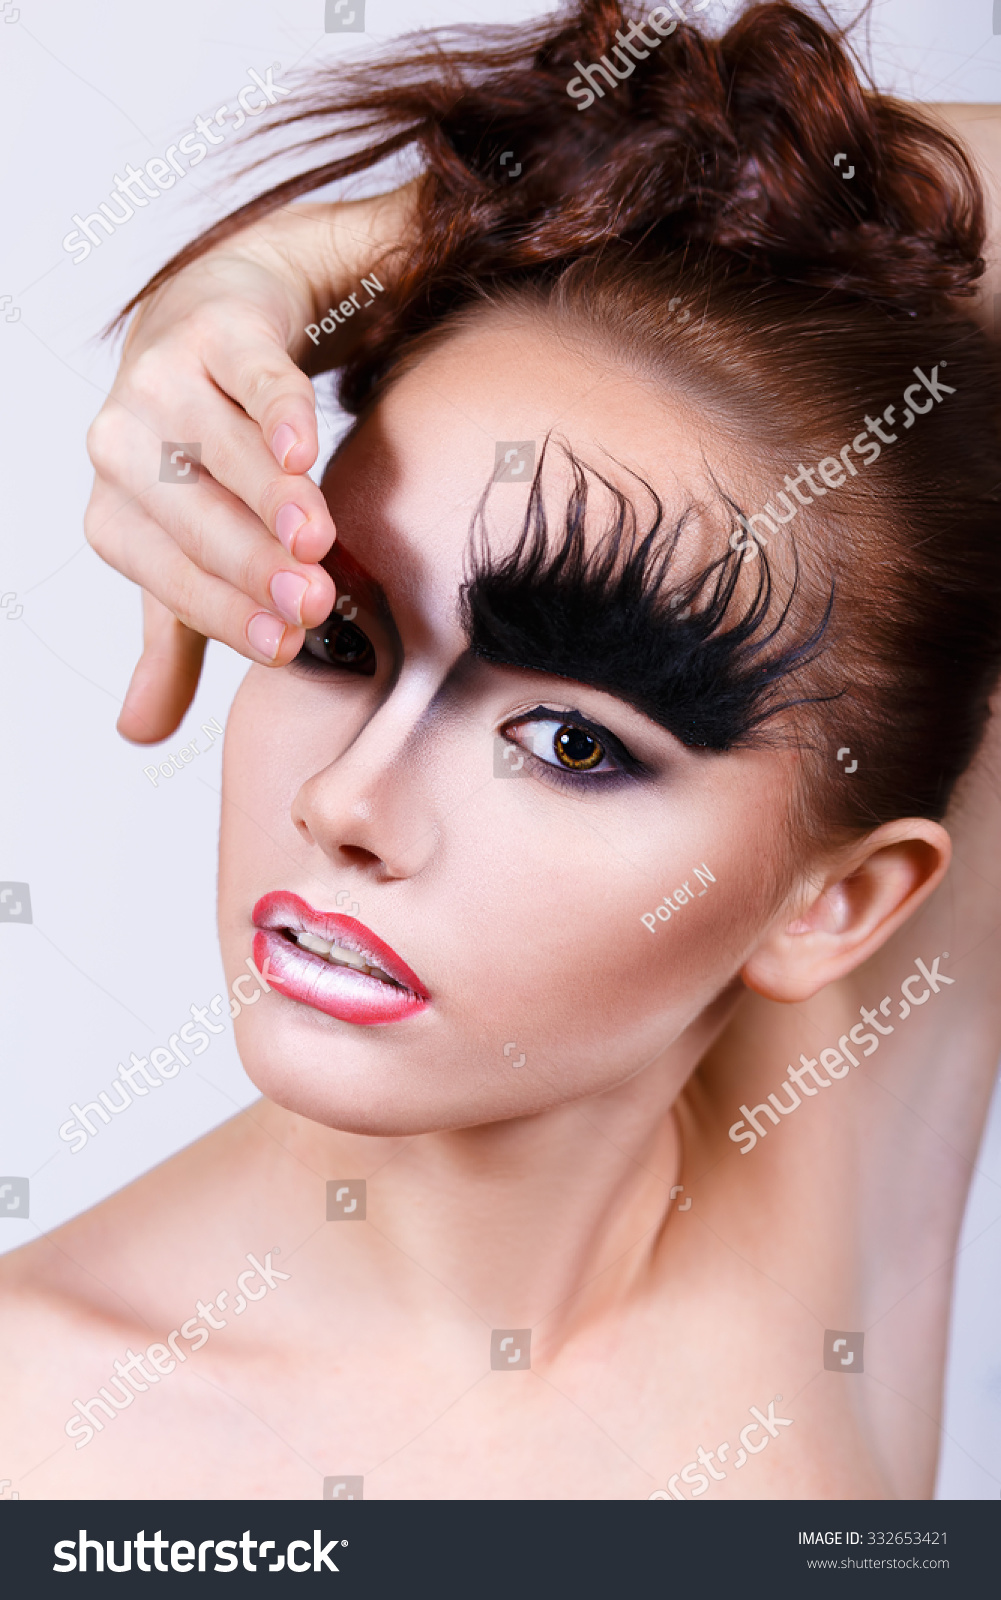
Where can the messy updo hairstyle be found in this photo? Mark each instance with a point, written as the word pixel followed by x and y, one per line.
pixel 792 252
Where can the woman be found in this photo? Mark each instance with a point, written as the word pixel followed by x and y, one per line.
pixel 555 844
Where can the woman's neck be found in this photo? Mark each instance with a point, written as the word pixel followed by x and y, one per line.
pixel 534 1222
pixel 529 1222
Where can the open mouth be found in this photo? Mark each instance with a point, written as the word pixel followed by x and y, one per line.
pixel 338 955
pixel 333 963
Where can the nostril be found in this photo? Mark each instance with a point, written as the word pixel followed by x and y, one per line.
pixel 355 855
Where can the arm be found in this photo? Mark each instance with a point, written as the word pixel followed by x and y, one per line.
pixel 212 357
pixel 304 258
pixel 881 1178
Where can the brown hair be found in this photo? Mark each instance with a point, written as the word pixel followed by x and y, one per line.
pixel 706 177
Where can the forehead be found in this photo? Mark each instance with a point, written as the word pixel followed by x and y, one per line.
pixel 416 468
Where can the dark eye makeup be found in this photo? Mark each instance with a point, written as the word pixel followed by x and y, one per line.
pixel 604 612
pixel 570 747
pixel 337 643
pixel 564 746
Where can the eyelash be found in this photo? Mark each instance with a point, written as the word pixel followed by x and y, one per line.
pixel 627 765
pixel 313 662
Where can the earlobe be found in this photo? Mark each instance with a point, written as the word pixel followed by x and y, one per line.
pixel 832 926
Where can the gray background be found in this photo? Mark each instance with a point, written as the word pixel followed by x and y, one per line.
pixel 122 875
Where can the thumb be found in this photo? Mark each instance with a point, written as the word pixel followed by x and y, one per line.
pixel 166 676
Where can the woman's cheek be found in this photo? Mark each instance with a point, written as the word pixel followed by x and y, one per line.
pixel 662 962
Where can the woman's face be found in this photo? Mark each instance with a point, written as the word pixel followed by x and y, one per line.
pixel 508 877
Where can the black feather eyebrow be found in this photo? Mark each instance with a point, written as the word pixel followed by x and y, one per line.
pixel 613 617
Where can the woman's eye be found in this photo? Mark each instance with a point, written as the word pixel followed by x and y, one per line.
pixel 567 745
pixel 341 644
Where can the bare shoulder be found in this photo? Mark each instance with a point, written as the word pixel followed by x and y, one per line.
pixel 57 1317
pixel 112 1283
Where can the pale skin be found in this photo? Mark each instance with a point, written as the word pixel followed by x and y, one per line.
pixel 547 1204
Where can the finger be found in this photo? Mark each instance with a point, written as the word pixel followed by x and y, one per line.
pixel 214 528
pixel 293 509
pixel 251 365
pixel 218 534
pixel 165 679
pixel 232 446
pixel 204 603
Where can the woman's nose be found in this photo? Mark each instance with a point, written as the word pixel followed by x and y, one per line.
pixel 372 807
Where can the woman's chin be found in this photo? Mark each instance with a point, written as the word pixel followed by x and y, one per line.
pixel 334 1076
pixel 359 1081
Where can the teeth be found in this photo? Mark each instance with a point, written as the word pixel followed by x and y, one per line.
pixel 339 956
pixel 348 958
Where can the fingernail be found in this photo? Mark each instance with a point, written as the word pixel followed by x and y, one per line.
pixel 285 437
pixel 288 591
pixel 265 633
pixel 287 524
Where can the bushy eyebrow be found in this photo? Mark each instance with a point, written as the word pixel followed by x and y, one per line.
pixel 615 618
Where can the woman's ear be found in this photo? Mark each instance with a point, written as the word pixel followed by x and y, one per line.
pixel 828 929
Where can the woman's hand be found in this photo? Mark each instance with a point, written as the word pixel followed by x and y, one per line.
pixel 228 548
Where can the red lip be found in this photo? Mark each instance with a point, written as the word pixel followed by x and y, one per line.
pixel 340 992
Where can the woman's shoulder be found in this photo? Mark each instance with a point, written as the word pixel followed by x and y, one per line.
pixel 119 1258
pixel 57 1316
pixel 84 1304
pixel 71 1273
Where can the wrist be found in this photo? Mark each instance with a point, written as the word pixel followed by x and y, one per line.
pixel 321 251
pixel 228 275
pixel 290 266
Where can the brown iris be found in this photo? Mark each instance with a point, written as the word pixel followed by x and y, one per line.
pixel 576 748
